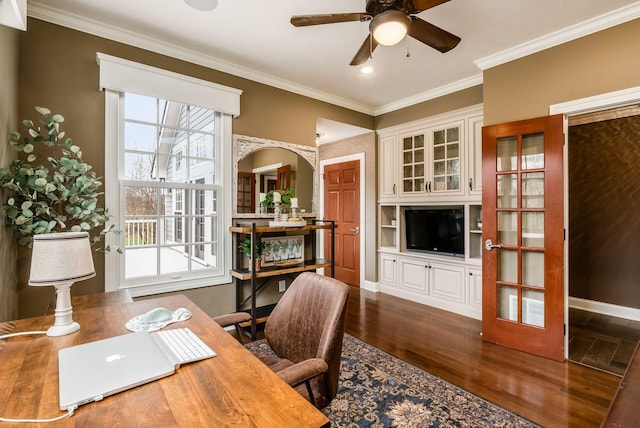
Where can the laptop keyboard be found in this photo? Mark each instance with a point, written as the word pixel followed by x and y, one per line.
pixel 185 344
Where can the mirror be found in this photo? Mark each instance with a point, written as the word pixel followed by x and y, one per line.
pixel 259 164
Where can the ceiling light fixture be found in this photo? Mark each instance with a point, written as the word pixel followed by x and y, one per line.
pixel 390 27
pixel 367 69
pixel 202 4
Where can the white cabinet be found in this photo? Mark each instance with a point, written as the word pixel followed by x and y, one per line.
pixel 435 158
pixel 474 155
pixel 426 280
pixel 388 270
pixel 475 290
pixel 388 166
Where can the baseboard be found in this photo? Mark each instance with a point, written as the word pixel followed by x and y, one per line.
pixel 605 308
pixel 370 286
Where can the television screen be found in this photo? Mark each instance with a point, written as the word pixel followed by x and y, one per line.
pixel 436 230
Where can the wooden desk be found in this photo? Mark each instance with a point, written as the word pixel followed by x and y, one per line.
pixel 232 389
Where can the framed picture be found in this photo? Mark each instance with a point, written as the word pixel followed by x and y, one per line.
pixel 283 250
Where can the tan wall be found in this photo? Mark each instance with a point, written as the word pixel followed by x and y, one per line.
pixel 457 100
pixel 65 79
pixel 366 144
pixel 8 123
pixel 603 62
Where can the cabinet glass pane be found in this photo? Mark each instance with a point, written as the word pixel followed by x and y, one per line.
pixel 407 171
pixel 418 156
pixel 533 307
pixel 408 185
pixel 507 303
pixel 453 182
pixel 507 228
pixel 533 151
pixel 418 141
pixel 453 166
pixel 507 153
pixel 439 153
pixel 439 168
pixel 418 170
pixel 438 137
pixel 407 143
pixel 452 134
pixel 533 268
pixel 507 196
pixel 507 266
pixel 533 229
pixel 408 157
pixel 533 190
pixel 439 184
pixel 453 150
pixel 418 185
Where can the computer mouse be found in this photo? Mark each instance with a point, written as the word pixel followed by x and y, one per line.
pixel 157 315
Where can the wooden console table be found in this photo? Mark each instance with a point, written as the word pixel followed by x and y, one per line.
pixel 232 389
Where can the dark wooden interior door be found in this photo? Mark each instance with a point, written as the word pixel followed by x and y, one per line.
pixel 342 204
pixel 284 177
pixel 246 192
pixel 523 236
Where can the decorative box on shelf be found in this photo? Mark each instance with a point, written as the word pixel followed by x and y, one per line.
pixel 287 223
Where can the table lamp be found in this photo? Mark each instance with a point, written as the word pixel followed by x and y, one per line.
pixel 60 259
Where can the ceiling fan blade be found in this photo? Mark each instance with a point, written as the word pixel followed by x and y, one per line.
pixel 420 5
pixel 365 51
pixel 433 36
pixel 306 20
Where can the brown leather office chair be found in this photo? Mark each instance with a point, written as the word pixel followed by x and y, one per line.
pixel 305 332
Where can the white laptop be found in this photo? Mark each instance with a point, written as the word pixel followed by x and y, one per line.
pixel 95 370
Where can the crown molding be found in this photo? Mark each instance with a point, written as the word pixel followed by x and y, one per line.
pixel 450 88
pixel 585 28
pixel 49 13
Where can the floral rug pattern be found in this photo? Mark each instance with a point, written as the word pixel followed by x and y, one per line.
pixel 377 389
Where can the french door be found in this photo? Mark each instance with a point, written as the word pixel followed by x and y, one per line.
pixel 523 236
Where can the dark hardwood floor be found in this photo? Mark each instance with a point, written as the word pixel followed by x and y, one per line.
pixel 450 346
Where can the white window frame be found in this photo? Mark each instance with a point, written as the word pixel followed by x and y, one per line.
pixel 118 76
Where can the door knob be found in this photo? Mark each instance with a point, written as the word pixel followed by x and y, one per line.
pixel 489 245
pixel 355 229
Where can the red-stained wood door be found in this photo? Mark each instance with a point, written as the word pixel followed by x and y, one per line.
pixel 523 236
pixel 342 204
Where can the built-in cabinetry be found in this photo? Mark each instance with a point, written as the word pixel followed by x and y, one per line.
pixel 257 279
pixel 435 162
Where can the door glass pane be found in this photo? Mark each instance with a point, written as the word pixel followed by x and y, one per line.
pixel 533 190
pixel 507 154
pixel 533 151
pixel 533 268
pixel 507 228
pixel 533 229
pixel 533 307
pixel 507 303
pixel 507 196
pixel 507 266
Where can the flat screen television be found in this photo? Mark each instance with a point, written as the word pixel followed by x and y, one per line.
pixel 437 230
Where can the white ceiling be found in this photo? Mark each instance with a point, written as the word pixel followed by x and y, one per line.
pixel 254 39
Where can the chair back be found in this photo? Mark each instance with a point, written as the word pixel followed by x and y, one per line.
pixel 308 322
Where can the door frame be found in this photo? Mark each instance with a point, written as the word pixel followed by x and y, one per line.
pixel 363 230
pixel 570 108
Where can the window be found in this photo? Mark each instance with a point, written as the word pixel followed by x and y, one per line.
pixel 170 195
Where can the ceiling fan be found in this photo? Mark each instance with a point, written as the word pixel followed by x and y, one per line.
pixel 390 22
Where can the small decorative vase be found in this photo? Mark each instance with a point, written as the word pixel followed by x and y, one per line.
pixel 258 265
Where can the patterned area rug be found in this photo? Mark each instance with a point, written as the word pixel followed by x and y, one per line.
pixel 379 390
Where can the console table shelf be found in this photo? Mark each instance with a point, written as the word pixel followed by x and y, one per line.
pixel 257 233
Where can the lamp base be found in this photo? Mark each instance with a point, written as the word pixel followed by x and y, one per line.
pixel 62 330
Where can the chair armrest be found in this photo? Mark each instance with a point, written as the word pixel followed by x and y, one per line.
pixel 232 319
pixel 303 371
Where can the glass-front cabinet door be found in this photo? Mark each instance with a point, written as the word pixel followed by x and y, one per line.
pixel 414 178
pixel 523 260
pixel 446 149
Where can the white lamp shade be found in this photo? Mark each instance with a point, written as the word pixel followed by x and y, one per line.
pixel 60 258
pixel 390 27
pixel 202 4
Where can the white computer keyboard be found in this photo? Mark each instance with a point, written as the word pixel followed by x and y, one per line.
pixel 185 344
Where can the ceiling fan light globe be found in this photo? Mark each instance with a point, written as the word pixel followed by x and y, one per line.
pixel 390 27
pixel 202 4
